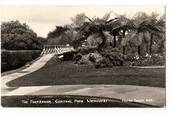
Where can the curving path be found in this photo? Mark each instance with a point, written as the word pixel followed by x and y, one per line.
pixel 148 95
pixel 35 66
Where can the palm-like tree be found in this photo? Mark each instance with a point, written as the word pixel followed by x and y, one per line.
pixel 157 28
pixel 120 27
pixel 142 29
pixel 150 27
pixel 146 27
pixel 94 26
pixel 133 39
pixel 116 27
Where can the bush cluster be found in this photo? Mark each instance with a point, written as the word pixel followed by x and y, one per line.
pixel 89 59
pixel 107 57
pixel 111 57
pixel 67 56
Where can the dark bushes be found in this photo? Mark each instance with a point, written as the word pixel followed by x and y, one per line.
pixel 69 55
pixel 107 57
pixel 15 59
pixel 111 57
pixel 77 57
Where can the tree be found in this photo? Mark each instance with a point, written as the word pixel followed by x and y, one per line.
pixel 58 36
pixel 17 36
pixel 41 42
pixel 78 20
pixel 59 30
pixel 157 29
pixel 142 28
pixel 95 27
pixel 120 27
pixel 134 40
pixel 146 28
pixel 62 35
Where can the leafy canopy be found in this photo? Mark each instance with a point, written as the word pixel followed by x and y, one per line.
pixel 17 36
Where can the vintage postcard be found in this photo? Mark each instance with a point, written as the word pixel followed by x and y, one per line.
pixel 83 56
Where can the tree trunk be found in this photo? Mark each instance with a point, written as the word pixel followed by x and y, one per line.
pixel 103 42
pixel 139 50
pixel 147 47
pixel 151 40
pixel 124 50
pixel 124 31
pixel 114 41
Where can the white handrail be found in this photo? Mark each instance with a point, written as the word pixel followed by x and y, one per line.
pixel 58 49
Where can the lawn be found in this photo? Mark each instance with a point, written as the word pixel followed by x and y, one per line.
pixel 56 72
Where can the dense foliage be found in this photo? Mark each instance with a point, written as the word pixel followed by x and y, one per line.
pixel 141 35
pixel 17 36
pixel 102 42
pixel 61 36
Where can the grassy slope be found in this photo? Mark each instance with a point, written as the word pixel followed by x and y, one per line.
pixel 62 73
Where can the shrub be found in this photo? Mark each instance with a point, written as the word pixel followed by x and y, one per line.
pixel 77 57
pixel 149 60
pixel 107 57
pixel 103 63
pixel 85 60
pixel 69 55
pixel 132 57
pixel 90 58
pixel 15 59
pixel 113 55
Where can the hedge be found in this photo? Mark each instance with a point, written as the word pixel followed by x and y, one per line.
pixel 14 59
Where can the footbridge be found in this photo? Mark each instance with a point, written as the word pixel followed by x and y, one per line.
pixel 58 49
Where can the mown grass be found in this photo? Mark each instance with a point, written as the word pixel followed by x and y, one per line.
pixel 56 72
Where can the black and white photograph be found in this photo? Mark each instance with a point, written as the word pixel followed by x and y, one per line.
pixel 83 56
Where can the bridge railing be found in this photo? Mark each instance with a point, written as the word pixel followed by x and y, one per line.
pixel 58 49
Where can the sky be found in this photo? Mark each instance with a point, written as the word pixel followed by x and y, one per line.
pixel 43 19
